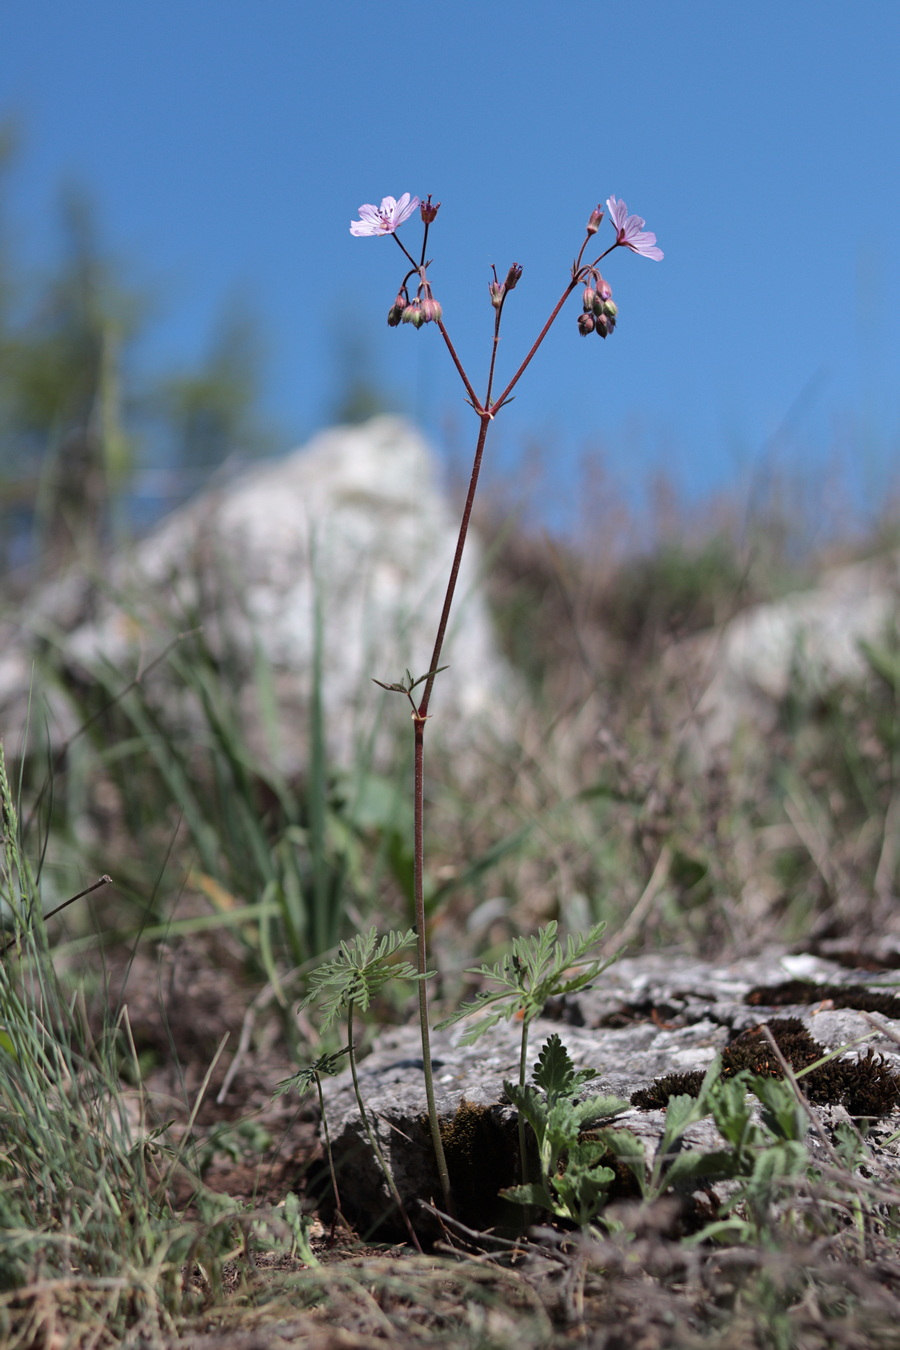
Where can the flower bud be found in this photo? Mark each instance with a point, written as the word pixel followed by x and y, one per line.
pixel 497 290
pixel 428 210
pixel 593 224
pixel 431 309
pixel 513 276
pixel 395 313
pixel 413 313
pixel 603 325
pixel 587 300
pixel 604 290
pixel 610 309
pixel 585 324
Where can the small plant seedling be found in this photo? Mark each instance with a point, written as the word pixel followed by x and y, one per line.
pixel 572 1184
pixel 302 1081
pixel 538 969
pixel 760 1154
pixel 348 982
pixel 672 1163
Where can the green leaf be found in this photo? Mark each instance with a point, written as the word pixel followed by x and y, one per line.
pixel 593 1109
pixel 527 1100
pixel 629 1150
pixel 582 1191
pixel 554 1070
pixel 692 1163
pixel 532 1194
pixel 733 1112
pixel 537 969
pixel 782 1160
pixel 782 1114
pixel 732 1231
pixel 304 1079
pixel 560 1134
pixel 360 972
pixel 681 1112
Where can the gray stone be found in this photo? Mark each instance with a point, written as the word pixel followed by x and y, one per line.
pixel 648 1017
pixel 814 637
pixel 356 522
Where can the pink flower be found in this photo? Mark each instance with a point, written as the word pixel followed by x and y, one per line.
pixel 631 231
pixel 384 219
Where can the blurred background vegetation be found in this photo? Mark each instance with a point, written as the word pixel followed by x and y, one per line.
pixel 91 446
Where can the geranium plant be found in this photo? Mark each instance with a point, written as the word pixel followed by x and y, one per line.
pixel 416 304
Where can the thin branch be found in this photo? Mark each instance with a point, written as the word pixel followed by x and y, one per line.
pixel 454 571
pixel 537 342
pixel 473 397
pixel 104 881
pixel 59 757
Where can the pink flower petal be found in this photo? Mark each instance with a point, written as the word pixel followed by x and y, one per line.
pixel 383 219
pixel 631 232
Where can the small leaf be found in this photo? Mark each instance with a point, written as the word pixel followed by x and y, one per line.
pixel 624 1145
pixel 529 1103
pixel 693 1163
pixel 593 1109
pixel 681 1112
pixel 554 1070
pixel 531 1194
pixel 422 678
pixel 363 967
pixel 304 1079
pixel 782 1114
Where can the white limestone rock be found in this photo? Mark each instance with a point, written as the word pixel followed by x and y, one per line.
pixel 816 637
pixel 357 523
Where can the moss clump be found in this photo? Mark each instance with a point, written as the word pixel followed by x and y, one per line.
pixel 656 1096
pixel 751 1050
pixel 866 1086
pixel 481 1158
pixel 860 997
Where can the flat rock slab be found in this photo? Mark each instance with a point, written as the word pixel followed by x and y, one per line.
pixel 647 1017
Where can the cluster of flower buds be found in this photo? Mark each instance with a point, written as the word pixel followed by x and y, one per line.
pixel 422 308
pixel 499 288
pixel 600 310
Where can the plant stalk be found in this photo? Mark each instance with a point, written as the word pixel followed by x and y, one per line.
pixel 338 1213
pixel 420 716
pixel 422 963
pixel 376 1147
pixel 523 1144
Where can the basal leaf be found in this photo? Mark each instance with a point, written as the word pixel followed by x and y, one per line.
pixel 593 1109
pixel 531 1194
pixel 554 1070
pixel 681 1112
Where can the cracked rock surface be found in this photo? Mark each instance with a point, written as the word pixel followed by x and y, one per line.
pixel 647 1017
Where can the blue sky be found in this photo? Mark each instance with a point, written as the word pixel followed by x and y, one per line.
pixel 228 143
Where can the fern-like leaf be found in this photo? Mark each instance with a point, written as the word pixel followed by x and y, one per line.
pixel 360 971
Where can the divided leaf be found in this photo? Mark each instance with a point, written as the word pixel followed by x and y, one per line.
pixel 360 972
pixel 304 1079
pixel 538 968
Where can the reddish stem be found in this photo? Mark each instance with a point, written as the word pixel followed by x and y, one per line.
pixel 473 397
pixel 537 342
pixel 422 712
